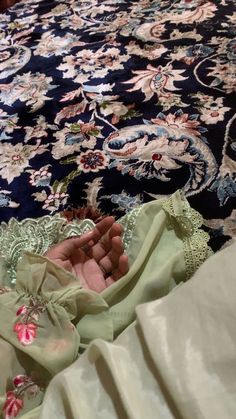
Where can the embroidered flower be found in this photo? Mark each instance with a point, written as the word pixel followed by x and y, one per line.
pixel 12 405
pixel 21 310
pixel 150 31
pixel 197 51
pixel 51 45
pixel 152 52
pixel 26 329
pixel 231 50
pixel 87 130
pixel 97 62
pixel 26 333
pixel 224 73
pixel 40 129
pixel 19 380
pixel 56 196
pixel 125 201
pixel 92 161
pixel 82 213
pixel 15 398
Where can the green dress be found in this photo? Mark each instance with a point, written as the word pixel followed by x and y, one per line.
pixel 177 361
pixel 47 319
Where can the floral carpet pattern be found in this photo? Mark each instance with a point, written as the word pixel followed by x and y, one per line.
pixel 106 104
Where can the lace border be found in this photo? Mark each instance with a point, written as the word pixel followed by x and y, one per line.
pixel 195 240
pixel 128 222
pixel 34 235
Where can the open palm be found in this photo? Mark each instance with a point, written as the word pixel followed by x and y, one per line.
pixel 97 258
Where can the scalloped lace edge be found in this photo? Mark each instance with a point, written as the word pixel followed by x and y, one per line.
pixel 195 240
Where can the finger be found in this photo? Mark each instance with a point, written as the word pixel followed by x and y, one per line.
pixel 123 268
pixel 103 227
pixel 67 247
pixel 110 261
pixel 115 230
pixel 102 248
pixel 90 238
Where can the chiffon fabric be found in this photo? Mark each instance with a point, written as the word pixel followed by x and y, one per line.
pixel 177 361
pixel 48 319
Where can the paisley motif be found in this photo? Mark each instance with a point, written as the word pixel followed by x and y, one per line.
pixel 13 59
pixel 157 151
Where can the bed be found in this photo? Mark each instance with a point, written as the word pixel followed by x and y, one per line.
pixel 105 105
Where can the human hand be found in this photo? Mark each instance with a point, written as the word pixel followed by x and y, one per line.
pixel 97 258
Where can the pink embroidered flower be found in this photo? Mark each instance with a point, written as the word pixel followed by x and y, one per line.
pixel 26 327
pixel 26 333
pixel 19 380
pixel 12 405
pixel 21 310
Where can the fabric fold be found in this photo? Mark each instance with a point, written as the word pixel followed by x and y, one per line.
pixel 176 362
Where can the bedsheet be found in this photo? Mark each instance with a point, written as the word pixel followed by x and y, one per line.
pixel 108 104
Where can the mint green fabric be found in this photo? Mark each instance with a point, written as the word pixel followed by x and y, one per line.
pixel 48 319
pixel 177 361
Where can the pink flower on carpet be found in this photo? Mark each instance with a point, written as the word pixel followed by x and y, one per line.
pixel 54 200
pixel 40 177
pixel 26 333
pixel 12 405
pixel 92 161
pixel 179 120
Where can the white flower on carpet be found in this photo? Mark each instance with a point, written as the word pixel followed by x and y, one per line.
pixel 15 158
pixel 29 88
pixel 214 114
pixel 212 110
